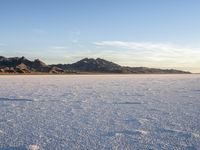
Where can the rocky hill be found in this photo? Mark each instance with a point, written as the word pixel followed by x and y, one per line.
pixel 23 65
pixel 92 65
pixel 86 65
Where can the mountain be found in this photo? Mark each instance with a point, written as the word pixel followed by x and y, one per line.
pixel 103 66
pixel 92 65
pixel 21 65
pixel 86 65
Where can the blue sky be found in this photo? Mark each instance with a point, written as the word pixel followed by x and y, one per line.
pixel 152 33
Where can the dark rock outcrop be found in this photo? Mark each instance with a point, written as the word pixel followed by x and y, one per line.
pixel 22 68
pixel 56 70
pixel 1 70
pixel 39 66
pixel 9 70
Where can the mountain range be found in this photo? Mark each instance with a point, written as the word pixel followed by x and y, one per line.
pixel 21 65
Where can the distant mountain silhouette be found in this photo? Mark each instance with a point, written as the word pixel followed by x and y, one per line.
pixel 92 65
pixel 86 65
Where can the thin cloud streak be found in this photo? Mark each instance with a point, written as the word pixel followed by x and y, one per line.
pixel 152 49
pixel 148 46
pixel 154 54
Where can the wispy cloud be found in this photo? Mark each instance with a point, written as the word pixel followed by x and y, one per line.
pixel 147 46
pixel 153 54
pixel 156 49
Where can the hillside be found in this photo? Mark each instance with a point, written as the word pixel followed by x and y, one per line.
pixel 21 65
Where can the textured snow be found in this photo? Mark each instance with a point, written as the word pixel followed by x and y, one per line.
pixel 100 112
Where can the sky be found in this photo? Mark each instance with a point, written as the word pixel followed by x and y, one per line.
pixel 151 33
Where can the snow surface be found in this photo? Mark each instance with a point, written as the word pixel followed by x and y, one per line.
pixel 100 112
